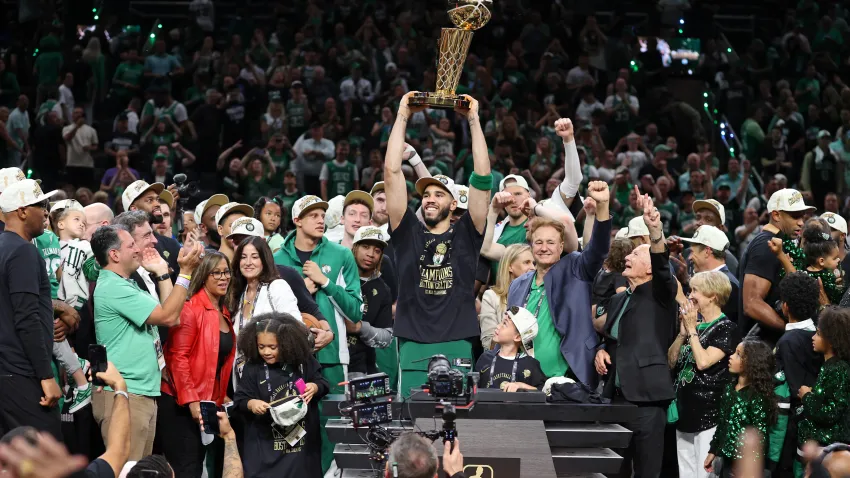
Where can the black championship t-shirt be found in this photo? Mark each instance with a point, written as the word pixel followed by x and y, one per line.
pixel 758 260
pixel 378 311
pixel 22 270
pixel 528 370
pixel 436 273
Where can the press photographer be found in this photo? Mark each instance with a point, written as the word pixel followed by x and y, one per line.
pixel 412 456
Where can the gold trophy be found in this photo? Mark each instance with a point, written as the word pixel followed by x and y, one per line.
pixel 467 16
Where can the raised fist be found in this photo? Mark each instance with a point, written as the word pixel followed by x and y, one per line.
pixel 564 129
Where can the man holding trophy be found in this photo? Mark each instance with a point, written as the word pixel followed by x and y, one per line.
pixel 437 260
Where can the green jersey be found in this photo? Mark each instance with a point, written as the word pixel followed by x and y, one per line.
pixel 50 250
pixel 127 72
pixel 289 199
pixel 296 113
pixel 340 178
pixel 510 235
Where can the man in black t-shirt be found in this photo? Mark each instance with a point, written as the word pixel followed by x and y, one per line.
pixel 435 260
pixel 28 391
pixel 370 342
pixel 760 269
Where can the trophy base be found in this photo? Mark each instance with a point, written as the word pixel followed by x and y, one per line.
pixel 434 100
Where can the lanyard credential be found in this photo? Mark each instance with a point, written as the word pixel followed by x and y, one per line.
pixel 493 369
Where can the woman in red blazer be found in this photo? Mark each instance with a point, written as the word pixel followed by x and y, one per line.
pixel 199 360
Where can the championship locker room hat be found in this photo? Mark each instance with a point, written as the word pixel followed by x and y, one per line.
pixel 444 182
pixel 461 195
pixel 10 176
pixel 22 194
pixel 371 234
pixel 246 226
pixel 214 200
pixel 835 221
pixel 787 200
pixel 709 236
pixel 526 325
pixel 138 188
pixel 233 207
pixel 307 204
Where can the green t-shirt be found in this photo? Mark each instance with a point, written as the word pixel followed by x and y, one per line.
pixel 510 235
pixel 547 344
pixel 49 64
pixel 340 178
pixel 497 179
pixel 281 165
pixel 753 137
pixel 121 310
pixel 51 251
pixel 252 189
pixel 127 72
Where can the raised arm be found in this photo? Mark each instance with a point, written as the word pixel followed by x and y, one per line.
pixel 394 182
pixel 491 249
pixel 479 193
pixel 572 166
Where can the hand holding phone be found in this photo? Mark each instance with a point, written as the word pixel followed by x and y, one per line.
pixel 98 363
pixel 209 417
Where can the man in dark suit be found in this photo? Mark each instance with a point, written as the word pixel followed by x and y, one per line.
pixel 640 327
pixel 709 246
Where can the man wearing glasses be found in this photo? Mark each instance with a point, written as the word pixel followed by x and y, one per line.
pixel 28 391
pixel 760 268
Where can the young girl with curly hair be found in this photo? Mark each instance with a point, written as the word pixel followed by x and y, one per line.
pixel 826 406
pixel 280 367
pixel 749 402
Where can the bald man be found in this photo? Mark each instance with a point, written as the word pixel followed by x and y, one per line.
pixel 97 214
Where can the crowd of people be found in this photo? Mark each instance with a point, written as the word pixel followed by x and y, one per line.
pixel 572 226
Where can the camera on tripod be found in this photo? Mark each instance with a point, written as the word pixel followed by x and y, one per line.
pixel 184 189
pixel 368 400
pixel 447 382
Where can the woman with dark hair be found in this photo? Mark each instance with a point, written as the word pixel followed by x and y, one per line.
pixel 256 289
pixel 199 358
pixel 269 211
pixel 280 377
pixel 609 280
pixel 749 402
pixel 826 405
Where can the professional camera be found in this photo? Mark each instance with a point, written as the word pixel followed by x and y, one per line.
pixel 184 189
pixel 363 395
pixel 447 382
pixel 379 439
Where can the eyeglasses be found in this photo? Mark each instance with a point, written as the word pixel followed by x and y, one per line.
pixel 220 274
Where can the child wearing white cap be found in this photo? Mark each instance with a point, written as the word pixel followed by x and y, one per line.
pixel 512 366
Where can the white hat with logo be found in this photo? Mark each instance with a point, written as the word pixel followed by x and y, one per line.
pixel 22 194
pixel 443 181
pixel 231 208
pixel 835 221
pixel 526 324
pixel 711 205
pixel 10 176
pixel 246 226
pixel 371 234
pixel 136 189
pixel 637 228
pixel 461 194
pixel 709 236
pixel 517 181
pixel 214 200
pixel 71 204
pixel 787 200
pixel 307 204
pixel 333 213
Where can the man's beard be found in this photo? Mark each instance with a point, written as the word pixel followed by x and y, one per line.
pixel 379 219
pixel 214 237
pixel 154 219
pixel 515 213
pixel 433 222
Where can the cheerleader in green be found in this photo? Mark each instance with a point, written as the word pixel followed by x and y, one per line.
pixel 821 259
pixel 826 406
pixel 748 402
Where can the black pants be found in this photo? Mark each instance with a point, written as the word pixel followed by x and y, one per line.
pixel 181 440
pixel 646 449
pixel 19 407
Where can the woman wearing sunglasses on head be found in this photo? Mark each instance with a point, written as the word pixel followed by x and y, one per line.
pixel 199 358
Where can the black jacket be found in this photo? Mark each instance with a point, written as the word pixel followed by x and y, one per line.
pixel 306 302
pixel 647 328
pixel 169 249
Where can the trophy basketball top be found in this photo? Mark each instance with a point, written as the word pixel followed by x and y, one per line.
pixel 470 14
